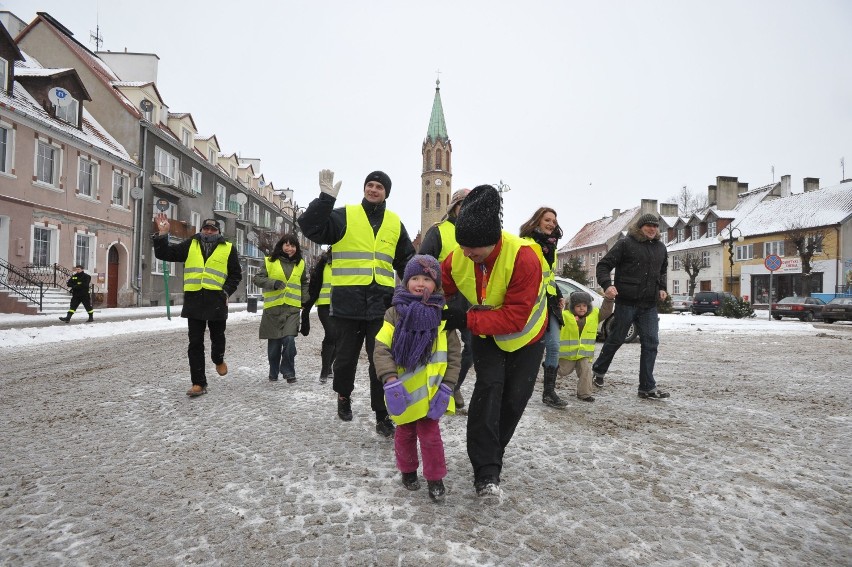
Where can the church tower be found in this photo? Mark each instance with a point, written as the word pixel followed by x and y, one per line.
pixel 437 175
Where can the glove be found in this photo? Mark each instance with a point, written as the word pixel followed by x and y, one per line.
pixel 455 318
pixel 305 327
pixel 397 397
pixel 278 284
pixel 327 184
pixel 439 404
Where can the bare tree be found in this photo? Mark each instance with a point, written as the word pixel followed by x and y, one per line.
pixel 688 202
pixel 692 264
pixel 808 243
pixel 266 240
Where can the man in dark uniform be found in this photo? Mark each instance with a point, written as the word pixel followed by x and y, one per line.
pixel 78 284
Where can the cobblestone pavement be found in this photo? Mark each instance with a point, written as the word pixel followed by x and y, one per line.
pixel 105 461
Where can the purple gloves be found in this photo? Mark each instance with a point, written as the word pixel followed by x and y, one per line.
pixel 439 404
pixel 397 397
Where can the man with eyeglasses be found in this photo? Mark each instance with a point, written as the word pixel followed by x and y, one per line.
pixel 211 274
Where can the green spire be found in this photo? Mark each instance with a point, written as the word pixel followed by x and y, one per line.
pixel 437 126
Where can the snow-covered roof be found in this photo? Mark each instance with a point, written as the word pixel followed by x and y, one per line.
pixel 823 207
pixel 22 70
pixel 600 231
pixel 691 244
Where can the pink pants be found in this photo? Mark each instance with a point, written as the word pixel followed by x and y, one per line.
pixel 431 446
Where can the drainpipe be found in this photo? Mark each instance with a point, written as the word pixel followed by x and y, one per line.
pixel 139 229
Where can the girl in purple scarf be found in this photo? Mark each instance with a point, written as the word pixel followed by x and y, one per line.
pixel 408 358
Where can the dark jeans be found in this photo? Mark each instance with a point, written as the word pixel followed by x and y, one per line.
pixel 466 357
pixel 504 385
pixel 329 339
pixel 282 356
pixel 648 326
pixel 195 352
pixel 351 336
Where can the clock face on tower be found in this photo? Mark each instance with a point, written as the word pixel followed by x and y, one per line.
pixel 438 182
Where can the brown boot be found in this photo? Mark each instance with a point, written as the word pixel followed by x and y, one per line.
pixel 222 368
pixel 196 391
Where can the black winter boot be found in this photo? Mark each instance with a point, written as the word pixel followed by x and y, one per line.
pixel 549 396
pixel 91 317
pixel 67 317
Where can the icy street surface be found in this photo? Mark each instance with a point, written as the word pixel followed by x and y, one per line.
pixel 105 461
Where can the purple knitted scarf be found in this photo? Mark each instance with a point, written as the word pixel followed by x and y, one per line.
pixel 417 327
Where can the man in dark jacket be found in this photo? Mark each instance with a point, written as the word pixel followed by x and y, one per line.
pixel 640 261
pixel 211 274
pixel 370 243
pixel 78 285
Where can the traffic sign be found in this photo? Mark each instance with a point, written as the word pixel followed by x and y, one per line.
pixel 772 262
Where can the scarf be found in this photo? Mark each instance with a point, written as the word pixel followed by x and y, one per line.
pixel 547 243
pixel 417 327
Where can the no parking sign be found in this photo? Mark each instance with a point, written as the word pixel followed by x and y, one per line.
pixel 772 263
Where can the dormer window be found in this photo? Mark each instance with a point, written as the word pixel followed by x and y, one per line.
pixel 211 155
pixel 4 74
pixel 186 138
pixel 711 229
pixel 69 113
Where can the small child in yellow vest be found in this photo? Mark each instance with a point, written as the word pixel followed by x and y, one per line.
pixel 577 339
pixel 418 362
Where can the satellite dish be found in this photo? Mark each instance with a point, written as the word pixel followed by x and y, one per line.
pixel 252 237
pixel 60 97
pixel 279 220
pixel 146 105
pixel 262 183
pixel 240 198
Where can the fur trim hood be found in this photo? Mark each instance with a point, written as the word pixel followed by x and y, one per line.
pixel 637 234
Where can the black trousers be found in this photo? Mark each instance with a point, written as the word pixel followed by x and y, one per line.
pixel 504 384
pixel 352 334
pixel 85 299
pixel 195 352
pixel 329 340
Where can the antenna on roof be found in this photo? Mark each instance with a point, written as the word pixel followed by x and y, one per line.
pixel 773 174
pixel 842 169
pixel 96 37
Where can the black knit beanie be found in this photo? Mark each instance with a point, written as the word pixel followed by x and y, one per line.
pixel 382 178
pixel 478 223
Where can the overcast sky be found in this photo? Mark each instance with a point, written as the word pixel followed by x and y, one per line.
pixel 584 107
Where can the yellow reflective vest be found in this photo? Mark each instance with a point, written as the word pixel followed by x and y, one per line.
pixel 198 274
pixel 291 293
pixel 547 275
pixel 464 275
pixel 447 230
pixel 423 382
pixel 573 345
pixel 360 257
pixel 325 291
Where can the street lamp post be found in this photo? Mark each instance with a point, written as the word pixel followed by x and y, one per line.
pixel 734 235
pixel 502 188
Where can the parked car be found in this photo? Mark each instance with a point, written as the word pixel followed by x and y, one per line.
pixel 803 308
pixel 710 302
pixel 681 303
pixel 838 309
pixel 568 286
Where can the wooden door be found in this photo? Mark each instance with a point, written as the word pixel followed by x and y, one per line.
pixel 112 277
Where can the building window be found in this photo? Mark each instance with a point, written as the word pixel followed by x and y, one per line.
pixel 120 182
pixel 428 160
pixel 267 219
pixel 233 172
pixel 251 289
pixel 239 240
pixel 195 220
pixel 44 249
pixel 438 159
pixel 196 181
pixel 675 262
pixel 157 265
pixel 220 197
pixel 186 138
pixel 47 163
pixel 165 164
pixel 711 229
pixel 817 248
pixel 6 149
pixel 69 113
pixel 774 247
pixel 745 252
pixel 84 249
pixel 211 156
pixel 4 74
pixel 681 234
pixel 675 287
pixel 705 259
pixel 255 213
pixel 87 178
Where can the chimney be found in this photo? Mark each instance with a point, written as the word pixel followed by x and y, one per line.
pixel 615 213
pixel 742 188
pixel 648 206
pixel 811 184
pixel 726 193
pixel 785 186
pixel 668 210
pixel 711 195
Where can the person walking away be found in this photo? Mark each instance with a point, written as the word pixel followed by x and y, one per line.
pixel 319 294
pixel 438 242
pixel 78 285
pixel 211 274
pixel 577 339
pixel 418 362
pixel 500 274
pixel 640 261
pixel 284 282
pixel 542 230
pixel 369 244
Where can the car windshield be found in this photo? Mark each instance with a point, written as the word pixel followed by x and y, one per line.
pixel 841 301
